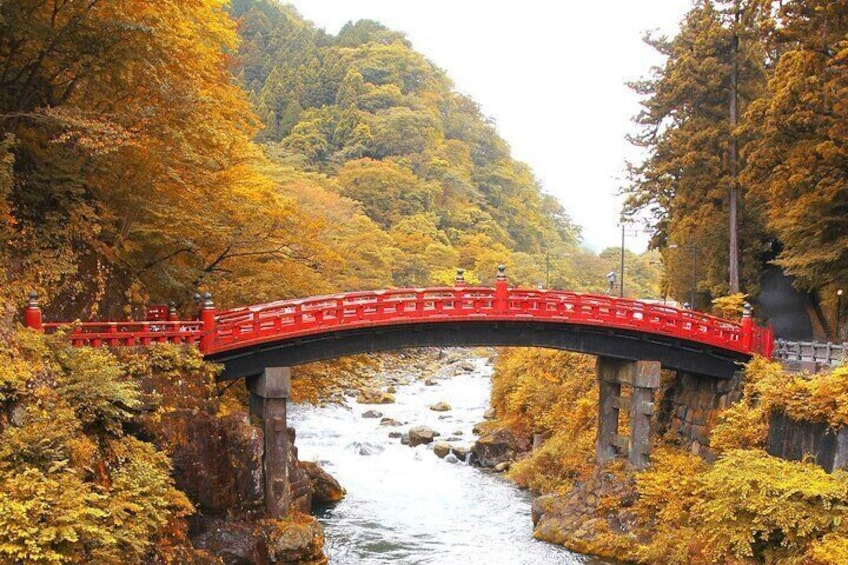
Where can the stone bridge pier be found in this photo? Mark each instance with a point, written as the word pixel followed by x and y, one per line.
pixel 268 395
pixel 643 378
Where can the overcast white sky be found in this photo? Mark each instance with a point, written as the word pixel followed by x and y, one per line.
pixel 551 73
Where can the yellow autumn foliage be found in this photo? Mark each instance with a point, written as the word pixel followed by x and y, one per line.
pixel 553 393
pixel 75 487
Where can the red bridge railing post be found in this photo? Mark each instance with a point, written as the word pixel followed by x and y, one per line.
pixel 32 316
pixel 501 291
pixel 747 327
pixel 768 346
pixel 207 316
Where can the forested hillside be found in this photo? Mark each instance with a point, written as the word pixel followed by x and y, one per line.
pixel 382 128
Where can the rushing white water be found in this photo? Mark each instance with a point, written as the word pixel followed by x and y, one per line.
pixel 405 505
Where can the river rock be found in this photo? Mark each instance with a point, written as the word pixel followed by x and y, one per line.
pixel 489 414
pixel 395 435
pixel 466 366
pixel 440 406
pixel 441 449
pixel 325 489
pixel 502 466
pixel 404 439
pixel 391 389
pixel 390 422
pixel 457 432
pixel 374 396
pixel 430 382
pixel 365 448
pixel 275 542
pixel 298 541
pixel 372 414
pixel 479 428
pixel 460 452
pixel 499 446
pixel 419 435
pixel 451 458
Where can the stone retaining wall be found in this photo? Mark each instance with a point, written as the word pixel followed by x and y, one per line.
pixel 690 405
pixel 794 440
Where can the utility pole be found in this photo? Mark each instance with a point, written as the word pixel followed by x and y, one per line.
pixel 621 282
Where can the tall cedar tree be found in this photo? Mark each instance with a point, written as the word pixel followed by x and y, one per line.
pixel 685 182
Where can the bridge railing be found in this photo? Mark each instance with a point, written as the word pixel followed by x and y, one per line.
pixel 244 326
pixel 114 334
pixel 811 352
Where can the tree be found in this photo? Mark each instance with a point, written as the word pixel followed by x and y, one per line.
pixel 796 164
pixel 688 126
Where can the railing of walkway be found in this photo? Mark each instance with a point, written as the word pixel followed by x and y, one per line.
pixel 810 352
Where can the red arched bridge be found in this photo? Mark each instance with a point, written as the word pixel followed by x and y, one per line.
pixel 291 332
pixel 632 340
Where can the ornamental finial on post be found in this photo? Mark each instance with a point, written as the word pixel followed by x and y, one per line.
pixel 460 278
pixel 747 326
pixel 501 273
pixel 32 316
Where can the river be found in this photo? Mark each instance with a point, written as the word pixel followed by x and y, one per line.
pixel 405 505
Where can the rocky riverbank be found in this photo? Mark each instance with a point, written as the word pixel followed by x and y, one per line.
pixel 217 461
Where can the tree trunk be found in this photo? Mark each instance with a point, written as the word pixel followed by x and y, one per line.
pixel 733 270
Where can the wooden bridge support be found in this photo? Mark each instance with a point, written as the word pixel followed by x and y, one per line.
pixel 643 377
pixel 268 394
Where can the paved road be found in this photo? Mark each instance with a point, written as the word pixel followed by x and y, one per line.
pixel 784 307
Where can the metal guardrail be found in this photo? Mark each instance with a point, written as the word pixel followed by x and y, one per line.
pixel 813 352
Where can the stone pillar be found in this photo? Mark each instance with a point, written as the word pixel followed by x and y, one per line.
pixel 268 394
pixel 609 389
pixel 644 378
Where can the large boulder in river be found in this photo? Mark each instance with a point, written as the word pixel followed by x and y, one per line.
pixel 325 489
pixel 497 447
pixel 419 435
pixel 440 406
pixel 374 396
pixel 297 539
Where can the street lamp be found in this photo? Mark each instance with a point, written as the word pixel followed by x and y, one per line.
pixel 838 312
pixel 691 249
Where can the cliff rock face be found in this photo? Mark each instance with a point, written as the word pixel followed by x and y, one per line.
pixel 217 457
